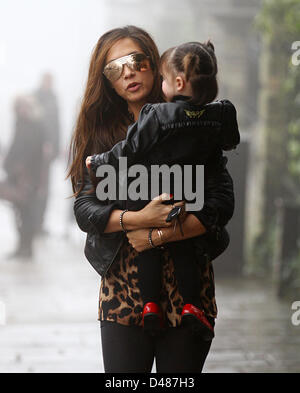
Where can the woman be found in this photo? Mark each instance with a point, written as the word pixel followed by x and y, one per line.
pixel 107 110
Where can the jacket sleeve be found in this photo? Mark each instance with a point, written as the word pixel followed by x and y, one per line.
pixel 140 138
pixel 218 205
pixel 230 135
pixel 92 214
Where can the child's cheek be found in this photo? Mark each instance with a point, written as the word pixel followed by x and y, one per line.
pixel 165 89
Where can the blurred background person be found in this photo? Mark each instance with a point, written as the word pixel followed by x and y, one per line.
pixel 50 117
pixel 22 186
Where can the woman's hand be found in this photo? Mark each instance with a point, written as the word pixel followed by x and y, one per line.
pixel 139 239
pixel 155 213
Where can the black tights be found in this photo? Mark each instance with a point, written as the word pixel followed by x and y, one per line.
pixel 150 272
pixel 128 349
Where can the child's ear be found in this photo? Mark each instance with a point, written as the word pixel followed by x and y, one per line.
pixel 180 83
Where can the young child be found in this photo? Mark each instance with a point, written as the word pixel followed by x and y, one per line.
pixel 190 128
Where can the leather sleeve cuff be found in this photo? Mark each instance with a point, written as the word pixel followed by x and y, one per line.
pixel 208 217
pixel 93 163
pixel 100 217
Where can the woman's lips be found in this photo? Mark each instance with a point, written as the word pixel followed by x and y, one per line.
pixel 133 86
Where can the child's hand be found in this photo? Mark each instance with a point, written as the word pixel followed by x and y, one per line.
pixel 88 162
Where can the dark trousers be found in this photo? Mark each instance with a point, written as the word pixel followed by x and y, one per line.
pixel 26 221
pixel 128 349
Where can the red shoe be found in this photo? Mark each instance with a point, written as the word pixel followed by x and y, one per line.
pixel 196 319
pixel 152 318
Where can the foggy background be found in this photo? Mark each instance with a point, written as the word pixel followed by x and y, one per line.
pixel 48 300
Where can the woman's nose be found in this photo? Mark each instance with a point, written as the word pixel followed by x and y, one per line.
pixel 127 71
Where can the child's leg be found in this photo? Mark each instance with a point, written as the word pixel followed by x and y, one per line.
pixel 185 265
pixel 149 282
pixel 149 275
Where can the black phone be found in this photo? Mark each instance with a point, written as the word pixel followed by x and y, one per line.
pixel 173 213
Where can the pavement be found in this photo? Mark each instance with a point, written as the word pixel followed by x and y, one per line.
pixel 48 311
pixel 51 319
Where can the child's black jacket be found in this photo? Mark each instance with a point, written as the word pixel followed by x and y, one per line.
pixel 183 133
pixel 190 133
pixel 176 133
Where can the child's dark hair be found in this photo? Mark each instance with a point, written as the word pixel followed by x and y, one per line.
pixel 199 64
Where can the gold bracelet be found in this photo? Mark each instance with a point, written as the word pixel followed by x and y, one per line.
pixel 160 234
pixel 151 242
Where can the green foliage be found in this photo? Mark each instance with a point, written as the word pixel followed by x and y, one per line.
pixel 279 19
pixel 279 23
pixel 292 93
pixel 289 286
pixel 263 252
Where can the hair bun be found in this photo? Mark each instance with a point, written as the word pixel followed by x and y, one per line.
pixel 210 45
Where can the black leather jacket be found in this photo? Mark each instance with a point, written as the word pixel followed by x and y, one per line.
pixel 92 215
pixel 176 132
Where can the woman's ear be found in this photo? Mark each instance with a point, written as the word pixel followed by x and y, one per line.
pixel 180 83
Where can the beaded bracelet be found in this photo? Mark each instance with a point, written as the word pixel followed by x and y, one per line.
pixel 121 220
pixel 150 238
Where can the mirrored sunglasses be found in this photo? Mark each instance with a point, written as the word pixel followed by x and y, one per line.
pixel 136 61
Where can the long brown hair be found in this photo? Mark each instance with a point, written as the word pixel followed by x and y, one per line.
pixel 103 118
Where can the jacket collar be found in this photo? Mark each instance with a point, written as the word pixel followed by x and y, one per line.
pixel 180 98
pixel 187 100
